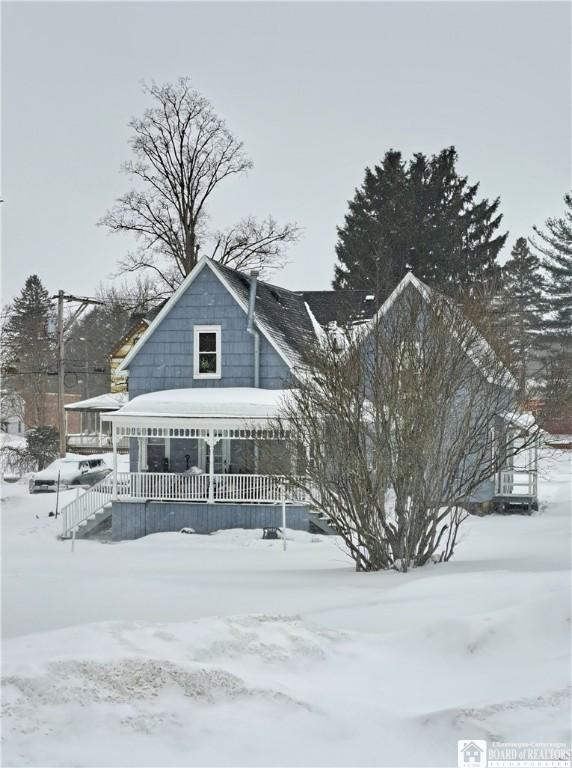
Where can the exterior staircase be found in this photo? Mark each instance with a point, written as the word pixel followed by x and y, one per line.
pixel 86 511
pixel 321 523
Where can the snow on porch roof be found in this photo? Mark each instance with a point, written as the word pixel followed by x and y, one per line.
pixel 110 401
pixel 211 402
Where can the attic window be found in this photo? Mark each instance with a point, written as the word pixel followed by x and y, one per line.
pixel 206 352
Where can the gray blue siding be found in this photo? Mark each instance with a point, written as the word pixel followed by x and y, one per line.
pixel 134 519
pixel 166 359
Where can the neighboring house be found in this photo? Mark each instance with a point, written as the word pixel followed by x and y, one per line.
pixel 12 409
pixel 92 435
pixel 47 405
pixel 85 431
pixel 206 380
pixel 123 347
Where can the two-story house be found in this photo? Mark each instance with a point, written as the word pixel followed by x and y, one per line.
pixel 206 381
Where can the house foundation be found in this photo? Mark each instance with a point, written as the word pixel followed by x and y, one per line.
pixel 132 519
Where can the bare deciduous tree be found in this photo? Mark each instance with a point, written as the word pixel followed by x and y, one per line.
pixel 182 153
pixel 403 425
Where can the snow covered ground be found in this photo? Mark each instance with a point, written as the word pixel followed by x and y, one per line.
pixel 225 650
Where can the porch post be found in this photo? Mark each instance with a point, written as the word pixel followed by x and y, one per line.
pixel 114 442
pixel 211 444
pixel 143 454
pixel 293 461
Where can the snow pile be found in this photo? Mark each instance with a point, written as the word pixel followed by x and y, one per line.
pixel 225 650
pixel 8 440
pixel 110 401
pixel 235 402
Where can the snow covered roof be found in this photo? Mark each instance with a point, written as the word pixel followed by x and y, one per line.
pixel 522 419
pixel 294 319
pixel 211 402
pixel 110 401
pixel 479 351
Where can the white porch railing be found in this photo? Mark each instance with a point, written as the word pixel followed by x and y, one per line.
pixel 168 486
pixel 94 440
pixel 517 482
pixel 255 488
pixel 181 487
pixel 157 486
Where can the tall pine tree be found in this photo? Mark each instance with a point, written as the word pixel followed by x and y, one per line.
pixel 555 246
pixel 418 215
pixel 522 307
pixel 28 350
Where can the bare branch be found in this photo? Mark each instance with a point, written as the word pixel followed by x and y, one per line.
pixel 182 152
pixel 404 425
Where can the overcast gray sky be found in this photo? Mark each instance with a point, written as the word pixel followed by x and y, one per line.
pixel 316 91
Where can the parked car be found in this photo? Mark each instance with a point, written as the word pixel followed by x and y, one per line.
pixel 72 472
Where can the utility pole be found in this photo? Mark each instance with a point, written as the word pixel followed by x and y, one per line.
pixel 61 375
pixel 84 302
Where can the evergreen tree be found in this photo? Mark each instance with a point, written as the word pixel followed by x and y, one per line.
pixel 522 306
pixel 28 349
pixel 418 215
pixel 555 246
pixel 42 445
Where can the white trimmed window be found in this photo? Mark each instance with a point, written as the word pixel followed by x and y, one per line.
pixel 206 352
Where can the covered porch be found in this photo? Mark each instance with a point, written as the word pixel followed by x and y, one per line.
pixel 206 445
pixel 94 434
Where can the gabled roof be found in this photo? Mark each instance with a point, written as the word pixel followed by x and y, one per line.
pixel 285 315
pixel 480 353
pixel 139 321
pixel 292 320
pixel 281 315
pixel 235 287
pixel 139 324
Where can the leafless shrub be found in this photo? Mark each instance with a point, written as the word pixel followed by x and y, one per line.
pixel 402 422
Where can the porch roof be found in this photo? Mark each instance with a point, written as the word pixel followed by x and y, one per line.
pixel 246 403
pixel 110 401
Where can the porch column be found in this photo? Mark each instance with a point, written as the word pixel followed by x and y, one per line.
pixel 211 445
pixel 114 443
pixel 293 462
pixel 142 454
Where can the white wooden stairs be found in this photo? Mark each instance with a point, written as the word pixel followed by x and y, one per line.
pixel 88 509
